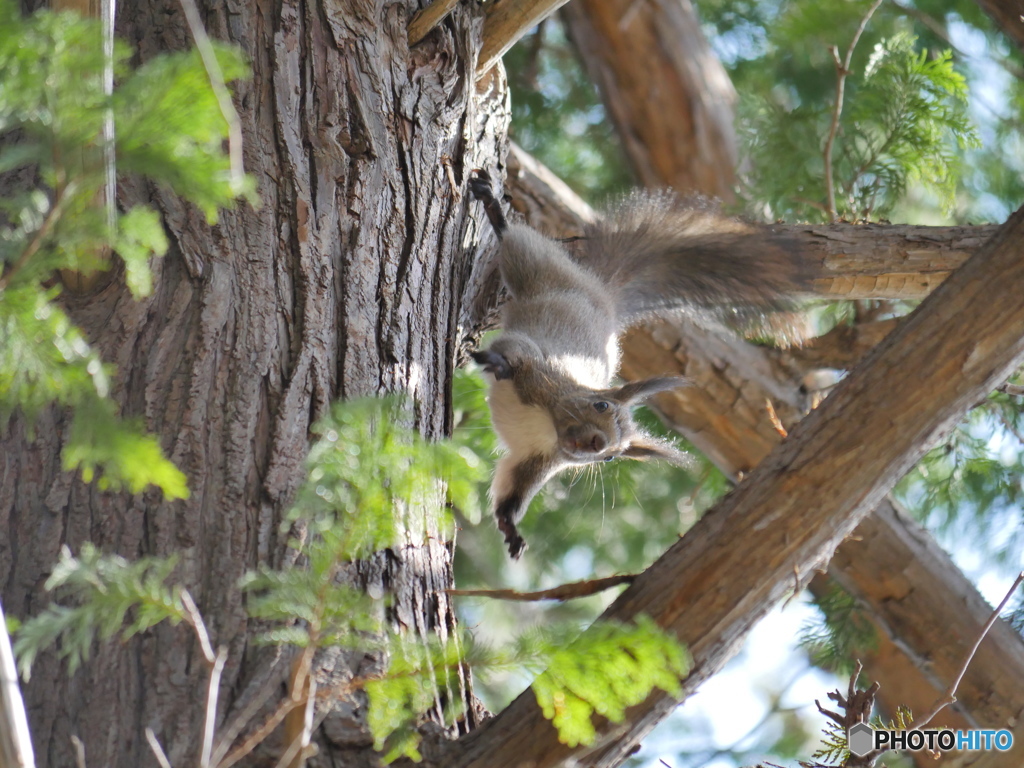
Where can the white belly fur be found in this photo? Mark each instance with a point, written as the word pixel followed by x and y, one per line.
pixel 525 430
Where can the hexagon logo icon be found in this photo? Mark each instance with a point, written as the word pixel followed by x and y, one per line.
pixel 860 739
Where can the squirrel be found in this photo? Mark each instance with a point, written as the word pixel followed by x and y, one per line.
pixel 550 371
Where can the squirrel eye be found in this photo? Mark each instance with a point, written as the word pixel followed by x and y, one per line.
pixel 609 458
pixel 600 406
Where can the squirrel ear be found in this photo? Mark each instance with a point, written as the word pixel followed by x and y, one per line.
pixel 644 447
pixel 494 363
pixel 638 391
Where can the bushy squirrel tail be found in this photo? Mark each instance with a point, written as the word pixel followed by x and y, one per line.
pixel 661 251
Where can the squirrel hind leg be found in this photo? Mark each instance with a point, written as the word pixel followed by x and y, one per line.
pixel 505 514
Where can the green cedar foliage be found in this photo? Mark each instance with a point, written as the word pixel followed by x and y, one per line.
pixel 367 474
pixel 102 590
pixel 53 112
pixel 971 487
pixel 607 669
pixel 843 633
pixel 903 120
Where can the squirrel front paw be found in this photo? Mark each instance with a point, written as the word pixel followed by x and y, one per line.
pixel 494 363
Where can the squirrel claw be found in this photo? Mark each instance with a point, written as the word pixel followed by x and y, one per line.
pixel 495 364
pixel 480 185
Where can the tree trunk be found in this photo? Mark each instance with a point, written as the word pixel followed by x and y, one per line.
pixel 348 280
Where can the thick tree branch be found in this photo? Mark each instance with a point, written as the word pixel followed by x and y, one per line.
pixel 843 346
pixel 424 21
pixel 808 495
pixel 667 94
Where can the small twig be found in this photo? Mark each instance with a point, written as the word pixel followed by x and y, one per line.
pixel 950 696
pixel 195 620
pixel 161 756
pixel 15 738
pixel 298 723
pixel 212 691
pixel 245 716
pixel 256 737
pixel 773 417
pixel 299 747
pixel 446 161
pixel 296 754
pixel 1011 389
pixel 797 589
pixel 423 22
pixel 842 71
pixel 562 592
pixel 216 664
pixel 856 705
pixel 220 91
pixel 79 746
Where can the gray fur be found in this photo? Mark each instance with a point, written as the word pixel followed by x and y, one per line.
pixel 552 401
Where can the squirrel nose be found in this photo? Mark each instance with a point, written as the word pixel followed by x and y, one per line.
pixel 592 443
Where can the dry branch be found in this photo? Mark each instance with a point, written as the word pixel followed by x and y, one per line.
pixel 506 22
pixel 844 345
pixel 424 21
pixel 561 592
pixel 842 71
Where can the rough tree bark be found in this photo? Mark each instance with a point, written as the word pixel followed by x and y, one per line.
pixel 347 281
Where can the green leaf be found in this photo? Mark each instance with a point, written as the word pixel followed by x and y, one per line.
pixel 609 668
pixel 43 356
pixel 102 590
pixel 416 674
pixel 140 236
pixel 126 456
pixel 53 110
pixel 170 127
